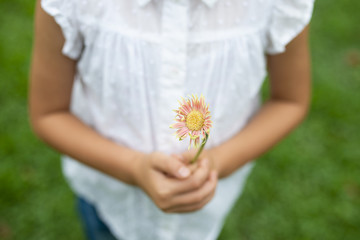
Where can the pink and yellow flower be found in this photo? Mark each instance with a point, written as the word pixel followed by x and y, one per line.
pixel 193 119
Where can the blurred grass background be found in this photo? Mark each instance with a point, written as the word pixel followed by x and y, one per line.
pixel 307 187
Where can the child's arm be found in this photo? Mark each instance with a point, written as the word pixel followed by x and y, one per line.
pixel 286 108
pixel 52 77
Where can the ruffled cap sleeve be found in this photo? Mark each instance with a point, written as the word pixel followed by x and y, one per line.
pixel 63 12
pixel 288 19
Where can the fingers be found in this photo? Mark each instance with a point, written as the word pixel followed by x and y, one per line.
pixel 170 165
pixel 192 207
pixel 178 156
pixel 195 200
pixel 181 158
pixel 188 156
pixel 182 195
pixel 195 181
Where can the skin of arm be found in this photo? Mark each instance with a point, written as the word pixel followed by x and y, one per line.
pixel 287 106
pixel 51 82
pixel 169 183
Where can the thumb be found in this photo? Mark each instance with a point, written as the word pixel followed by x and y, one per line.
pixel 188 156
pixel 172 166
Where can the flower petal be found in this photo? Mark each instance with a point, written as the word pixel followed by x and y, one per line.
pixel 178 125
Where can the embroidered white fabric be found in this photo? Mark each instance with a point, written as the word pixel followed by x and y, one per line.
pixel 136 59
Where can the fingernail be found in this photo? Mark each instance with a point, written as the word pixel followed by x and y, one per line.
pixel 184 172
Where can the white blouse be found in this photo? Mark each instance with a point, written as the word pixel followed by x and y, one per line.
pixel 136 59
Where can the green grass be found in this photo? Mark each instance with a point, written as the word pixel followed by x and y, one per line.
pixel 35 202
pixel 307 187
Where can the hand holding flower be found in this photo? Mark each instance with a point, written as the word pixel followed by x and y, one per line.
pixel 172 189
pixel 168 180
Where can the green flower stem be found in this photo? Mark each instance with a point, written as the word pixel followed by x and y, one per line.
pixel 200 149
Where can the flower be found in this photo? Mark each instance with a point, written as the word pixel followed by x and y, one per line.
pixel 193 119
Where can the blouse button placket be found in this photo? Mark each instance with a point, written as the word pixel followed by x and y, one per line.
pixel 172 78
pixel 173 65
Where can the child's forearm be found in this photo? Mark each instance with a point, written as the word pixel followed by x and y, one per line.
pixel 290 86
pixel 69 135
pixel 272 123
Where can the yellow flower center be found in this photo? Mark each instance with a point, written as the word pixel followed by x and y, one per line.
pixel 194 120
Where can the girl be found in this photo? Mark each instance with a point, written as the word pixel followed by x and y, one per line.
pixel 106 75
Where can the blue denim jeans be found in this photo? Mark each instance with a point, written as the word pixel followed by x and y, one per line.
pixel 94 227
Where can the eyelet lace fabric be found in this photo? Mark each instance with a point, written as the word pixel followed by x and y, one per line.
pixel 135 59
